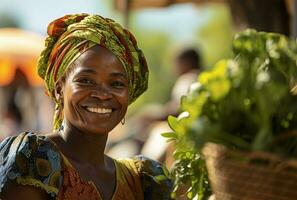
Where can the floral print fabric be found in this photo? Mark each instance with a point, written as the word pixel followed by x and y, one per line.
pixel 30 159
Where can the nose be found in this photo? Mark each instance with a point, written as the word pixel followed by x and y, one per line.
pixel 101 93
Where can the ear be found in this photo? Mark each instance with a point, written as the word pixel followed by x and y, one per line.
pixel 59 90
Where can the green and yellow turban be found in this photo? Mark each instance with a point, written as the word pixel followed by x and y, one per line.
pixel 71 35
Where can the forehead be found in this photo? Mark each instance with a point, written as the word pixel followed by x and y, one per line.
pixel 98 59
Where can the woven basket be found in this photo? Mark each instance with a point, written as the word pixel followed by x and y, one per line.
pixel 250 176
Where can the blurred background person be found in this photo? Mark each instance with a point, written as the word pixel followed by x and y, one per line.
pixel 16 97
pixel 20 87
pixel 187 67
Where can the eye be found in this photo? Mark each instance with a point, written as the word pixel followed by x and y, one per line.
pixel 118 84
pixel 84 81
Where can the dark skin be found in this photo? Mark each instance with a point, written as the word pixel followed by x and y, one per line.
pixel 95 99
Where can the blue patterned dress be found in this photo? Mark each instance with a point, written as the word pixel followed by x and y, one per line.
pixel 30 159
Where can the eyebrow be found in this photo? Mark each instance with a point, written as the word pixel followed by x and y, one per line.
pixel 118 74
pixel 92 71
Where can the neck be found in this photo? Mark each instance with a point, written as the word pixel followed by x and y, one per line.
pixel 83 147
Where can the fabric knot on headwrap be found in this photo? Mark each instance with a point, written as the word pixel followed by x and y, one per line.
pixel 71 35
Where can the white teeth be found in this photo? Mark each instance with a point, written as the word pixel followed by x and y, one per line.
pixel 99 110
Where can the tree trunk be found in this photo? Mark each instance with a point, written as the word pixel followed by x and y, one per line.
pixel 263 15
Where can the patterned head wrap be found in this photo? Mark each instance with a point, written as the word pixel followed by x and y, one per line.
pixel 71 35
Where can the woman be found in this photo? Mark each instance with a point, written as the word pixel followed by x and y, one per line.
pixel 93 70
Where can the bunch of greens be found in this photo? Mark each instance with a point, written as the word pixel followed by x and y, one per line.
pixel 245 103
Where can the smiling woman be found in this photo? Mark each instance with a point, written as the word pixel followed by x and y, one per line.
pixel 95 92
pixel 93 69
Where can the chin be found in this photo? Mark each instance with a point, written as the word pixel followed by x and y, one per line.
pixel 86 128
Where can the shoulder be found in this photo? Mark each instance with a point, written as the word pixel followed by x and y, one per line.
pixel 155 180
pixel 30 159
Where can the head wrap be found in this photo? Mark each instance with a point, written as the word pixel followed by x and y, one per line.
pixel 71 35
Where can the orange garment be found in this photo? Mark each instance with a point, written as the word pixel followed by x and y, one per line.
pixel 128 185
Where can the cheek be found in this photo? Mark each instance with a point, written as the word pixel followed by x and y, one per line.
pixel 71 99
pixel 124 99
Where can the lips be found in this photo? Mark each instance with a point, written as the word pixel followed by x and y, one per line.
pixel 99 110
pixel 103 109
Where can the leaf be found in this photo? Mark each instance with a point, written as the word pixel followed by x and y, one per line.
pixel 173 122
pixel 169 135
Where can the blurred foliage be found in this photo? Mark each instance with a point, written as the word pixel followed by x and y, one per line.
pixel 212 39
pixel 215 36
pixel 155 46
pixel 8 20
pixel 244 103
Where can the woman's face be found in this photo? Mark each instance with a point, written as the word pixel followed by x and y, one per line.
pixel 95 92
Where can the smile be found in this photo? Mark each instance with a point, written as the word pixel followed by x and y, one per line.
pixel 99 110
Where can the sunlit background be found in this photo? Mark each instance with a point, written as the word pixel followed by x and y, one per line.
pixel 161 30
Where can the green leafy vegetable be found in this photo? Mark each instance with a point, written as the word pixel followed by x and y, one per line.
pixel 244 103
